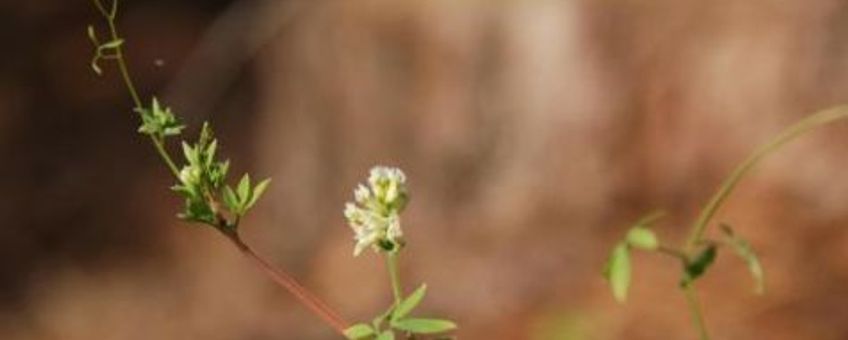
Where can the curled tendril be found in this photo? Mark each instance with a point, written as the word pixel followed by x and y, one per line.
pixel 107 50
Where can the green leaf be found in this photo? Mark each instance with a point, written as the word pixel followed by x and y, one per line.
pixel 155 108
pixel 92 35
pixel 112 44
pixel 257 192
pixel 95 67
pixel 189 153
pixel 642 238
pixel 206 134
pixel 746 252
pixel 424 326
pixel 618 270
pixel 173 130
pixel 386 335
pixel 146 129
pixel 359 331
pixel 224 168
pixel 230 200
pixel 243 189
pixel 210 152
pixel 696 267
pixel 408 304
pixel 182 190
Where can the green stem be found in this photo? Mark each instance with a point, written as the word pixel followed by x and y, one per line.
pixel 158 143
pixel 122 66
pixel 394 276
pixel 313 303
pixel 673 252
pixel 695 309
pixel 811 122
pixel 160 148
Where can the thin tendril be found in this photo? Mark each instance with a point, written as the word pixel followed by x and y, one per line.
pixel 813 121
pixel 695 310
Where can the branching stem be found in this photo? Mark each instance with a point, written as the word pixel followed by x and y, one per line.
pixel 119 58
pixel 811 122
pixel 394 276
pixel 696 236
pixel 281 278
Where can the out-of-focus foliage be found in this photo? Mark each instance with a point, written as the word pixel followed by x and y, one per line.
pixel 534 131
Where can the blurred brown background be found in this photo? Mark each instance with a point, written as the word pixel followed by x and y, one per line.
pixel 533 132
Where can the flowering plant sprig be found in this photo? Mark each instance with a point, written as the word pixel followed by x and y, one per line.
pixel 201 181
pixel 375 220
pixel 698 253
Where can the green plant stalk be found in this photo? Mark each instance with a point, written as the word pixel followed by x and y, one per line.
pixel 675 253
pixel 130 85
pixel 809 123
pixel 695 310
pixel 283 279
pixel 696 235
pixel 394 276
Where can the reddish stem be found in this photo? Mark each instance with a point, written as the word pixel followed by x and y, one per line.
pixel 318 307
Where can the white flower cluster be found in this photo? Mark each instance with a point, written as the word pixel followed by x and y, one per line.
pixel 375 217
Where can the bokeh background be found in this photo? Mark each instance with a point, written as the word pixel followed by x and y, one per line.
pixel 533 132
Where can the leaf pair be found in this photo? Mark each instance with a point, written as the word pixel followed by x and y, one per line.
pixel 239 201
pixel 400 321
pixel 744 250
pixel 618 269
pixel 397 318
